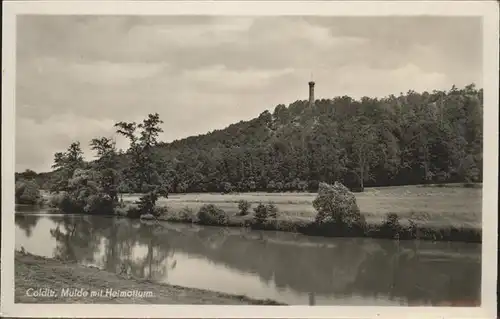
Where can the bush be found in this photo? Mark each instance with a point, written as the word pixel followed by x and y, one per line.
pixel 99 204
pixel 127 210
pixel 272 210
pixel 283 224
pixel 147 203
pixel 412 229
pixel 210 214
pixel 56 199
pixel 337 205
pixel 260 213
pixel 392 219
pixel 133 211
pixel 83 195
pixel 227 188
pixel 160 211
pixel 122 210
pixel 66 203
pixel 244 206
pixel 391 226
pixel 27 192
pixel 263 212
pixel 187 214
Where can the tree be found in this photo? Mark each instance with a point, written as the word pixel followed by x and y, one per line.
pixel 26 175
pixel 227 187
pixel 144 163
pixel 411 138
pixel 244 206
pixel 106 166
pixel 86 193
pixel 261 213
pixel 362 145
pixel 65 164
pixel 27 192
pixel 336 205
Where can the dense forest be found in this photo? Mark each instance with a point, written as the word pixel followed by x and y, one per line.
pixel 413 138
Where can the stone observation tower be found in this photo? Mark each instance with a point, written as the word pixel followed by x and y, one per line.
pixel 311 93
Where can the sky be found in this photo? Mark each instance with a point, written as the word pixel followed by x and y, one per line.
pixel 78 75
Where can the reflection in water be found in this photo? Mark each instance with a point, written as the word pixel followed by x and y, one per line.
pixel 312 302
pixel 287 267
pixel 26 223
pixel 27 208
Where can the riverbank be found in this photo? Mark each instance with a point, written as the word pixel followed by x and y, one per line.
pixel 396 212
pixel 389 229
pixel 457 205
pixel 393 229
pixel 417 212
pixel 59 281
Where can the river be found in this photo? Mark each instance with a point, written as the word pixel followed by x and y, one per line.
pixel 286 267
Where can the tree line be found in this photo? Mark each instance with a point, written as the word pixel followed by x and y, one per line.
pixel 413 138
pixel 94 187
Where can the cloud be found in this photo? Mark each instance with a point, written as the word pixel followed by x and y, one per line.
pixel 77 75
pixel 374 81
pixel 190 36
pixel 241 80
pixel 36 143
pixel 109 73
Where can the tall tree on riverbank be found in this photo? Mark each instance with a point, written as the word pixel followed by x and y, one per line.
pixel 143 160
pixel 106 166
pixel 65 165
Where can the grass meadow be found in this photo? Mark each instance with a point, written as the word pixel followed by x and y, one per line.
pixel 433 206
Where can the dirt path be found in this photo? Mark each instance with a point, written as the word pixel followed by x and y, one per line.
pixel 63 282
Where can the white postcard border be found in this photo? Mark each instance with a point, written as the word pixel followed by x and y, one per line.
pixel 487 9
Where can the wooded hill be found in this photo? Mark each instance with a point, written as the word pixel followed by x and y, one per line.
pixel 413 138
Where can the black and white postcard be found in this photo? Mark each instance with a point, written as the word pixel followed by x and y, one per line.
pixel 249 159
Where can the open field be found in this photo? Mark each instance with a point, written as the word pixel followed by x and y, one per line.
pixel 437 206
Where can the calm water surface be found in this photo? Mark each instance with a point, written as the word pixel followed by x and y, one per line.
pixel 291 268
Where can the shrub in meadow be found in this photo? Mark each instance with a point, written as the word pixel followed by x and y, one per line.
pixel 272 210
pixel 186 214
pixel 336 205
pixel 413 229
pixel 146 203
pixel 265 216
pixel 209 214
pixel 244 206
pixel 391 226
pixel 261 213
pixel 160 211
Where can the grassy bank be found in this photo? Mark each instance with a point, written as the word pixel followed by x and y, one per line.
pixel 33 273
pixel 418 212
pixel 388 229
pixel 439 206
